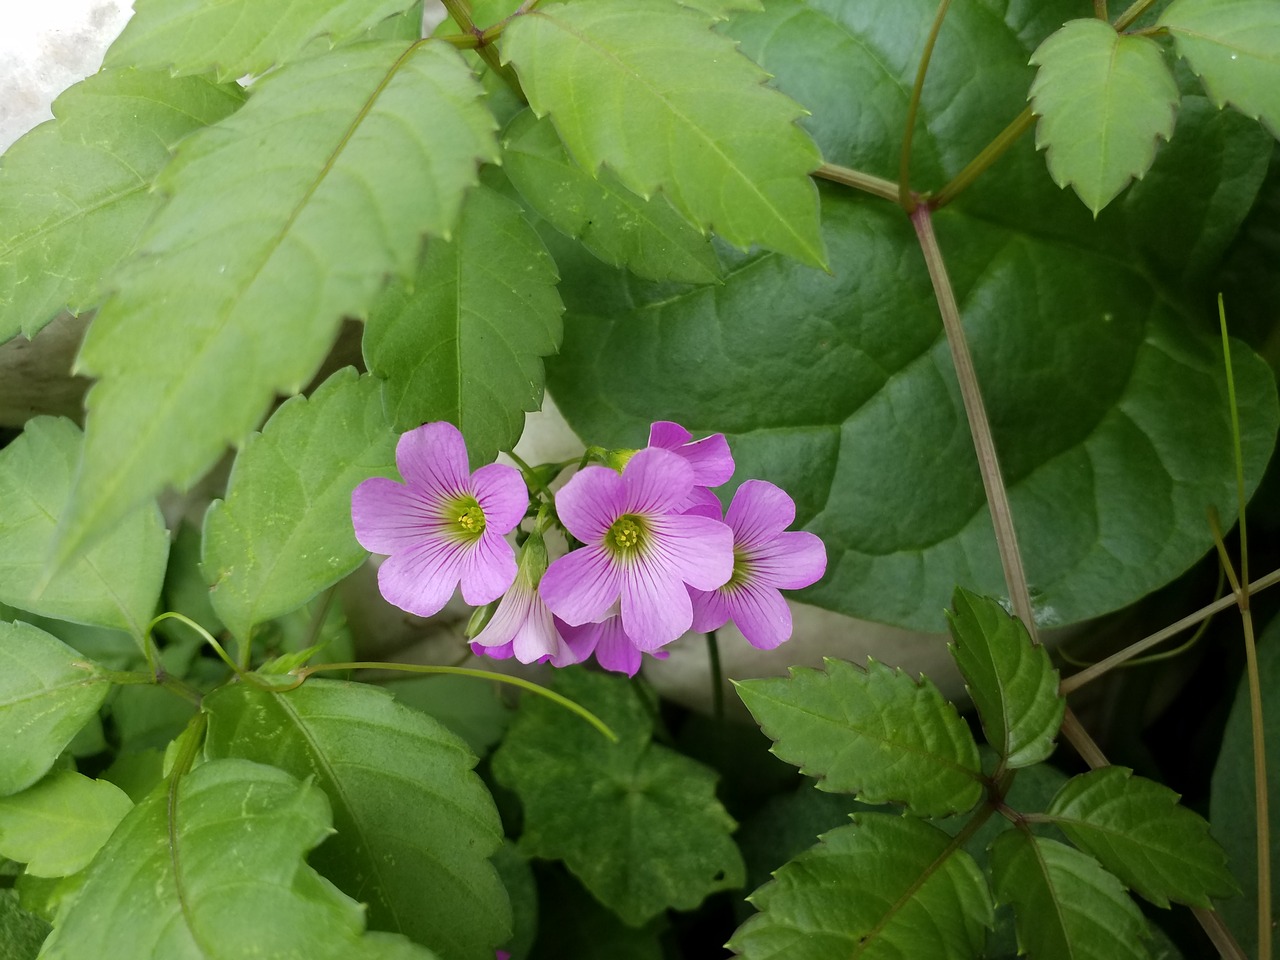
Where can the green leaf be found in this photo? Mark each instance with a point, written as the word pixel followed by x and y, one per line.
pixel 1138 831
pixel 883 886
pixel 474 711
pixel 646 236
pixel 57 826
pixel 464 340
pixel 283 218
pixel 75 193
pixel 47 693
pixel 574 924
pixel 1066 906
pixel 875 733
pixel 21 932
pixel 1104 100
pixel 1234 47
pixel 283 533
pixel 415 825
pixel 1012 681
pixel 238 37
pixel 116 583
pixel 646 87
pixel 637 823
pixel 224 877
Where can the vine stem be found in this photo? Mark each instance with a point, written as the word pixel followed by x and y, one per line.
pixel 905 198
pixel 992 152
pixel 866 182
pixel 1135 10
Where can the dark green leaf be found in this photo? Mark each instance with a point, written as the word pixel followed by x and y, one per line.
pixel 21 932
pixel 574 924
pixel 881 887
pixel 636 822
pixel 283 533
pixel 464 341
pixel 1066 905
pixel 1012 681
pixel 47 693
pixel 473 710
pixel 516 874
pixel 415 825
pixel 875 733
pixel 57 826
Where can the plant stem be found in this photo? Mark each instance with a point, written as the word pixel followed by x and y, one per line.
pixel 460 13
pixel 717 678
pixel 866 182
pixel 208 637
pixel 1100 10
pixel 1223 940
pixel 905 197
pixel 992 152
pixel 1134 11
pixel 1084 744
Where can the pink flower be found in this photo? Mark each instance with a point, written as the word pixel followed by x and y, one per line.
pixel 613 649
pixel 522 626
pixel 766 558
pixel 710 458
pixel 443 525
pixel 639 553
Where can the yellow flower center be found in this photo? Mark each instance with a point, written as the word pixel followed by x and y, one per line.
pixel 626 536
pixel 741 570
pixel 466 516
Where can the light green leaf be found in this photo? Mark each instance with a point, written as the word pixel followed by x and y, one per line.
pixel 645 87
pixel 415 825
pixel 76 192
pixel 1065 905
pixel 1012 681
pixel 57 826
pixel 47 693
pixel 875 733
pixel 1234 47
pixel 223 878
pixel 1138 831
pixel 116 583
pixel 464 341
pixel 877 888
pixel 238 37
pixel 283 218
pixel 637 823
pixel 646 236
pixel 1103 100
pixel 283 533
pixel 721 9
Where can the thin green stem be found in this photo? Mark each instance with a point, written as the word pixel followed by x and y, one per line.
pixel 1100 10
pixel 866 182
pixel 520 682
pixel 1134 11
pixel 460 13
pixel 717 676
pixel 152 678
pixel 992 152
pixel 530 476
pixel 1239 453
pixel 1084 744
pixel 905 198
pixel 208 637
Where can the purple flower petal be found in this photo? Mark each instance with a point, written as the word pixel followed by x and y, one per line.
pixel 793 559
pixel 580 642
pixel 710 457
pixel 433 458
pixel 668 435
pixel 388 516
pixel 703 503
pixel 655 605
pixel 615 649
pixel 760 613
pixel 759 512
pixel 657 482
pixel 421 578
pixel 710 611
pixel 502 495
pixel 501 652
pixel 698 550
pixel 487 569
pixel 581 586
pixel 593 498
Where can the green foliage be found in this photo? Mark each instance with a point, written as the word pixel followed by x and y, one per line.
pixel 464 340
pixel 21 932
pixel 574 924
pixel 636 822
pixel 1137 830
pixel 281 219
pixel 76 192
pixel 415 825
pixel 475 713
pixel 840 724
pixel 673 106
pixel 1104 100
pixel 57 826
pixel 881 887
pixel 47 693
pixel 1013 682
pixel 211 867
pixel 116 583
pixel 283 533
pixel 1065 904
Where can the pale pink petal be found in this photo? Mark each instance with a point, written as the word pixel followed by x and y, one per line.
pixel 793 559
pixel 655 605
pixel 581 586
pixel 615 650
pixel 703 503
pixel 593 498
pixel 668 435
pixel 759 512
pixel 760 613
pixel 388 516
pixel 696 550
pixel 657 482
pixel 580 641
pixel 502 495
pixel 488 568
pixel 421 578
pixel 710 612
pixel 433 458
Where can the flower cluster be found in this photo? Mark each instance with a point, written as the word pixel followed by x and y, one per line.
pixel 656 557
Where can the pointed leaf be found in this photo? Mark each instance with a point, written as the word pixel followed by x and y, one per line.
pixel 57 826
pixel 875 733
pixel 224 878
pixel 1234 47
pixel 1103 100
pixel 283 218
pixel 283 533
pixel 646 236
pixel 1065 905
pixel 47 693
pixel 116 583
pixel 464 341
pixel 415 825
pixel 637 823
pixel 75 193
pixel 647 88
pixel 1012 681
pixel 883 886
pixel 238 37
pixel 1138 831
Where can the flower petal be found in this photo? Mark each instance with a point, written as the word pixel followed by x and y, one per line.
pixel 760 613
pixel 710 457
pixel 581 586
pixel 657 482
pixel 389 517
pixel 580 642
pixel 703 503
pixel 487 569
pixel 668 435
pixel 501 652
pixel 422 578
pixel 433 458
pixel 793 559
pixel 655 605
pixel 593 498
pixel 759 512
pixel 502 495
pixel 615 650
pixel 696 550
pixel 710 612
